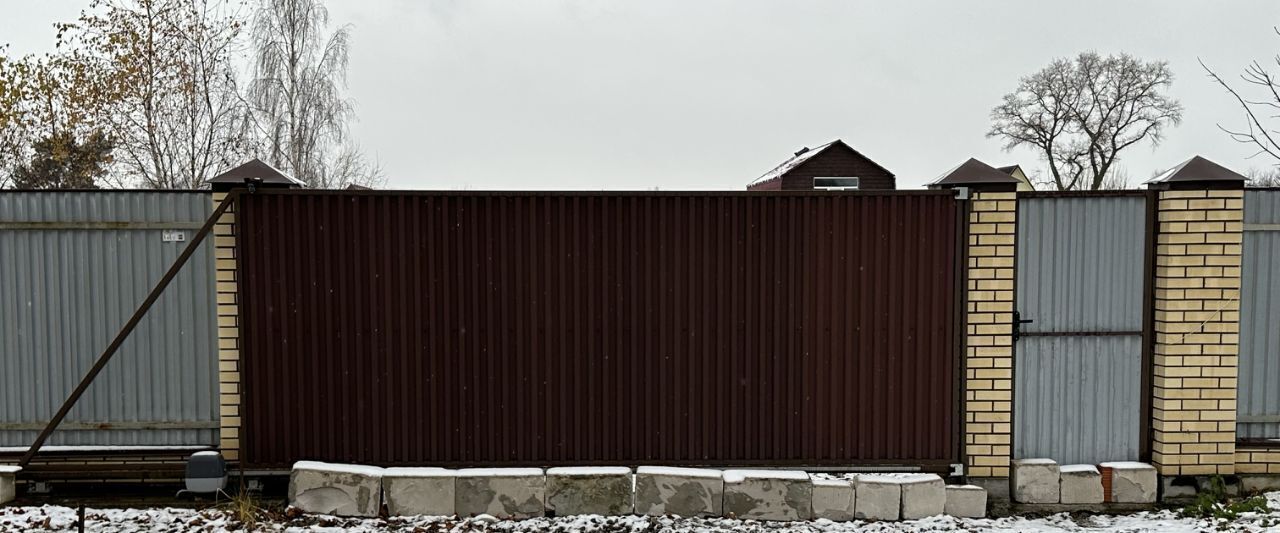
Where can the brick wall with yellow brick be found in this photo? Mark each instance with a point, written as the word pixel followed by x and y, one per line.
pixel 1197 317
pixel 988 334
pixel 224 241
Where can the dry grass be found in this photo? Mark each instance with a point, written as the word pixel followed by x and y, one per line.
pixel 245 508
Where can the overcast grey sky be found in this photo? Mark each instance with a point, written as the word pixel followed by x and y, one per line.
pixel 710 94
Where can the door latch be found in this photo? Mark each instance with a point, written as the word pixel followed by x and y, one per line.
pixel 1018 321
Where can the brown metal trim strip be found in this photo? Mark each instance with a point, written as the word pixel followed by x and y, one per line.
pixel 110 426
pixel 960 338
pixel 1081 333
pixel 1257 444
pixel 1148 327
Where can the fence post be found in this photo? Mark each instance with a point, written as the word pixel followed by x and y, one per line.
pixel 1196 319
pixel 989 306
pixel 224 246
pixel 252 175
pixel 989 278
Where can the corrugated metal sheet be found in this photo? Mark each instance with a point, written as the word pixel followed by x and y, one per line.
pixel 1077 371
pixel 73 268
pixel 593 328
pixel 1259 394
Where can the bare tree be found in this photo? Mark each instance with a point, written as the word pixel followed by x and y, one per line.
pixel 1263 178
pixel 1258 110
pixel 1080 114
pixel 298 95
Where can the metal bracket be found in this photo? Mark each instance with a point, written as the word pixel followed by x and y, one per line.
pixel 957 469
pixel 1018 321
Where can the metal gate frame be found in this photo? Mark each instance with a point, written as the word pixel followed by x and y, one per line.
pixel 1146 360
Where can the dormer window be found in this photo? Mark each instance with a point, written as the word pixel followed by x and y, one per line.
pixel 836 184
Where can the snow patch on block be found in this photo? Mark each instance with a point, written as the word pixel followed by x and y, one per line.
pixel 589 471
pixel 738 476
pixel 678 471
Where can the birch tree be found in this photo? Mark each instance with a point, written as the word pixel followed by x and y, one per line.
pixel 298 95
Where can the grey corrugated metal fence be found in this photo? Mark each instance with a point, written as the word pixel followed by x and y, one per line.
pixel 73 267
pixel 1078 366
pixel 1259 394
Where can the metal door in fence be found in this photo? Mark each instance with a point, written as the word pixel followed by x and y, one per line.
pixel 403 328
pixel 1080 287
pixel 1259 395
pixel 73 267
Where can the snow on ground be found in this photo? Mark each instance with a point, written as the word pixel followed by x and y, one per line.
pixel 55 518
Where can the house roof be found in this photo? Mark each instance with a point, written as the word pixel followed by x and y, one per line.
pixel 805 154
pixel 973 172
pixel 1009 169
pixel 255 169
pixel 1196 169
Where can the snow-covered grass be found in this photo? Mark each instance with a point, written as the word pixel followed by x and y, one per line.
pixel 55 518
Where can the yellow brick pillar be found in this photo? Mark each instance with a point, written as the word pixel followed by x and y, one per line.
pixel 988 356
pixel 224 242
pixel 1197 323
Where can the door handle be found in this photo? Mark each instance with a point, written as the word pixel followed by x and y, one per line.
pixel 1018 321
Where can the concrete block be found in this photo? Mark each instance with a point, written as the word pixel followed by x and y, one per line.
pixel 1248 484
pixel 8 483
pixel 686 492
pixel 768 494
pixel 336 489
pixel 1132 482
pixel 1080 484
pixel 878 497
pixel 923 495
pixel 418 491
pixel 1034 481
pixel 601 490
pixel 501 492
pixel 966 501
pixel 833 498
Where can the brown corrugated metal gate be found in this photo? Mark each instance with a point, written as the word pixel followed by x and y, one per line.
pixel 416 328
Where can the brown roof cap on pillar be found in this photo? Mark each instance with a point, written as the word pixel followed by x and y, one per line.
pixel 974 172
pixel 255 169
pixel 1197 170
